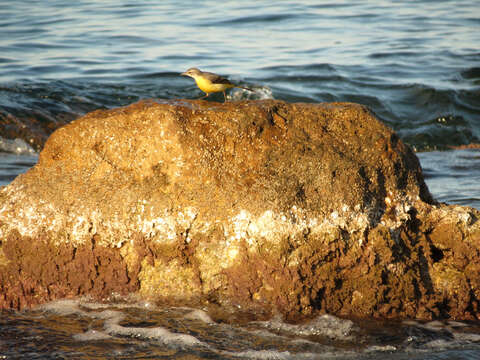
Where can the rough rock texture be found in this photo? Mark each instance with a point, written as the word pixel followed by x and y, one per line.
pixel 273 207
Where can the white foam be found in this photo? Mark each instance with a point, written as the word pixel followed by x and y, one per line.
pixel 466 337
pixel 16 146
pixel 440 344
pixel 411 322
pixel 324 325
pixel 92 335
pixel 113 316
pixel 267 334
pixel 262 354
pixel 62 307
pixel 434 325
pixel 112 327
pixel 264 92
pixel 258 93
pixel 199 315
pixel 381 348
pixel 95 306
pixel 296 339
pixel 285 355
pixel 158 333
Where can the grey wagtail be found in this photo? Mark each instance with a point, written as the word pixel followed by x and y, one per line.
pixel 210 83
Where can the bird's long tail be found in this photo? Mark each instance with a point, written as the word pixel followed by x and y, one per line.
pixel 245 88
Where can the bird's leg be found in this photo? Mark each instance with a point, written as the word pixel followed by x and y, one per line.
pixel 224 96
pixel 203 97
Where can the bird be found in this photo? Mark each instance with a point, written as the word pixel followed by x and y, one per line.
pixel 210 83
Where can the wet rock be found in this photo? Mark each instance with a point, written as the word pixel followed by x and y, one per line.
pixel 261 206
pixel 32 126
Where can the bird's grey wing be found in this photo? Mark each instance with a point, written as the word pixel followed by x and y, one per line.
pixel 216 79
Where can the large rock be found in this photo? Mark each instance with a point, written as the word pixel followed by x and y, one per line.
pixel 273 207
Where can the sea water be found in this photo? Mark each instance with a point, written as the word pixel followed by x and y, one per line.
pixel 126 329
pixel 414 63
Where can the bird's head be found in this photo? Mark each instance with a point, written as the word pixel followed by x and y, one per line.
pixel 192 72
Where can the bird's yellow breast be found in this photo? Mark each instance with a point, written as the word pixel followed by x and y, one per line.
pixel 208 87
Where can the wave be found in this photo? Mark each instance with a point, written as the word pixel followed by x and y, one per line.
pixel 427 117
pixel 133 329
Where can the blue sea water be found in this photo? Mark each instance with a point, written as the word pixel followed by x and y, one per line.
pixel 416 64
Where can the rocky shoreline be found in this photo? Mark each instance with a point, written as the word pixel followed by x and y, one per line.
pixel 266 206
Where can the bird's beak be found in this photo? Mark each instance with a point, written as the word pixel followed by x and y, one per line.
pixel 184 74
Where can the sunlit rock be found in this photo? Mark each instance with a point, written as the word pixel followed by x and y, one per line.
pixel 260 206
